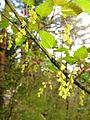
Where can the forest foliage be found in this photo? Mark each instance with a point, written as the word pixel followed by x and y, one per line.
pixel 31 73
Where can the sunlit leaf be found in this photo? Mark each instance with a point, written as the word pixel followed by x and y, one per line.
pixel 70 60
pixel 4 23
pixel 60 2
pixel 33 27
pixel 71 8
pixel 62 49
pixel 85 5
pixel 81 53
pixel 19 41
pixel 45 8
pixel 47 40
pixel 28 2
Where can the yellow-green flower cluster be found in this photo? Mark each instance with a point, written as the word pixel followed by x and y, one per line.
pixel 10 42
pixel 23 67
pixel 64 89
pixel 26 46
pixel 62 67
pixel 41 90
pixel 33 16
pixel 23 32
pixel 1 39
pixel 66 34
pixel 82 96
pixel 23 23
pixel 19 35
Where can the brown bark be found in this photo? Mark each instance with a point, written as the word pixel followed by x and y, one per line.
pixel 2 64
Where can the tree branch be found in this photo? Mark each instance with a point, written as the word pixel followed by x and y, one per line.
pixel 43 49
pixel 13 9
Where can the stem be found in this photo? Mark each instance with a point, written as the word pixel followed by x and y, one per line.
pixel 43 49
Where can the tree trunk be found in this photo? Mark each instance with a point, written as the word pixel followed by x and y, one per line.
pixel 2 64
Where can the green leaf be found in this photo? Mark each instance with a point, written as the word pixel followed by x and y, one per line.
pixel 4 22
pixel 45 8
pixel 19 41
pixel 33 27
pixel 88 49
pixel 14 29
pixel 60 2
pixel 47 40
pixel 85 5
pixel 81 53
pixel 70 60
pixel 85 77
pixel 71 8
pixel 28 2
pixel 62 49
